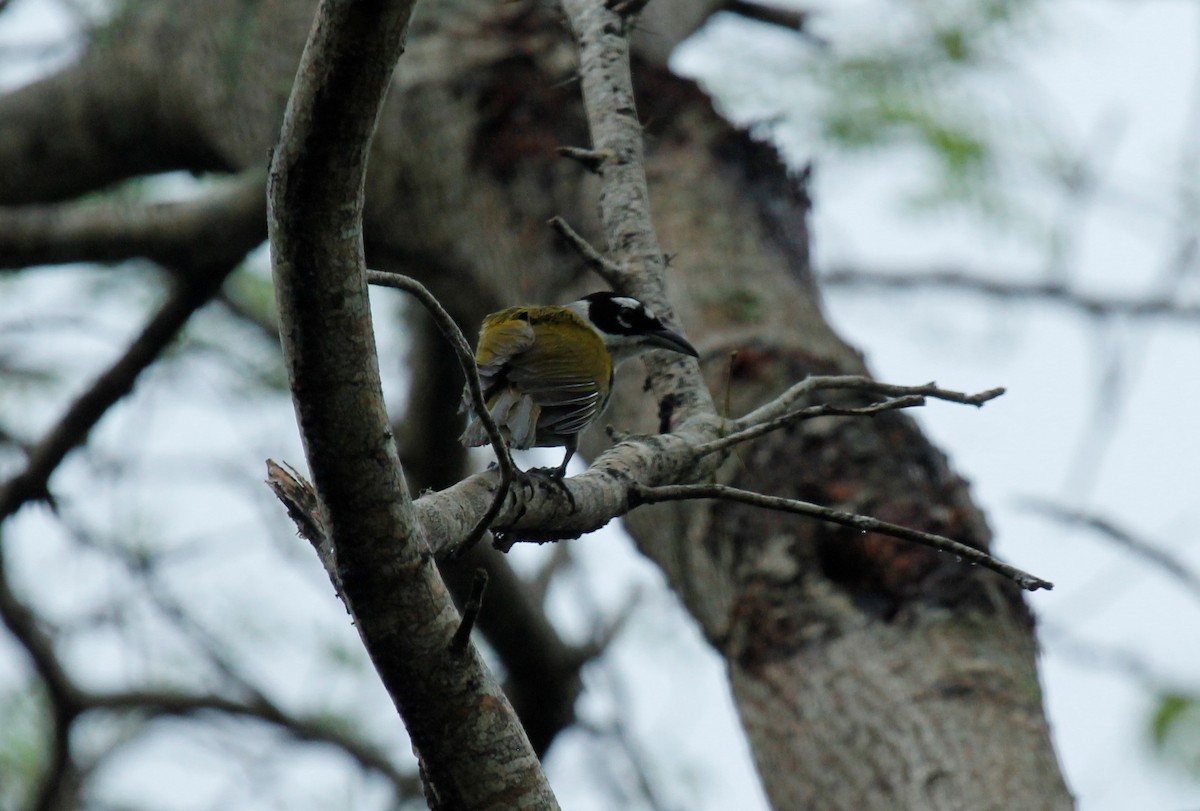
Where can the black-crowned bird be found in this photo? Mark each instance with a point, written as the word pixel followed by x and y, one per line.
pixel 547 371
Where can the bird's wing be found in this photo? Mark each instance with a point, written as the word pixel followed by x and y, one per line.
pixel 567 373
pixel 507 337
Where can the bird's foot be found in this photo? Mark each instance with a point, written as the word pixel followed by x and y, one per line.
pixel 557 477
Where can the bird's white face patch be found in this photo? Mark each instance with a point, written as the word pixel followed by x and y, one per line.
pixel 628 307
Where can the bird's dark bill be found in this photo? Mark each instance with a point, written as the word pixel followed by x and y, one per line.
pixel 670 340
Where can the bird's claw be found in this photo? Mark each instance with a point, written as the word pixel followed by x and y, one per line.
pixel 557 476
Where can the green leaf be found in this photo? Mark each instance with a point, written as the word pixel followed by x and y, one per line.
pixel 1175 730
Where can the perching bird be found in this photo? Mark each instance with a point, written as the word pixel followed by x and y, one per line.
pixel 547 371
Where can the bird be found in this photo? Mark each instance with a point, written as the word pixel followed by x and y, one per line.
pixel 547 371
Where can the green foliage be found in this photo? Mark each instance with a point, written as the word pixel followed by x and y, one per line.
pixel 920 79
pixel 24 735
pixel 1175 730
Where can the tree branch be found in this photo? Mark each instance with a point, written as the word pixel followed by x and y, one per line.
pixel 625 198
pixel 811 412
pixel 1003 288
pixel 154 703
pixel 1149 552
pixel 652 495
pixel 781 404
pixel 472 749
pixel 217 228
pixel 65 705
pixel 73 427
pixel 604 267
pixel 617 481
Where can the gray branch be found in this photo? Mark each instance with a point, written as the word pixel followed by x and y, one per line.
pixel 473 751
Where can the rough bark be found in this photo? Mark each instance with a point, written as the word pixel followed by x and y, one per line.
pixel 868 673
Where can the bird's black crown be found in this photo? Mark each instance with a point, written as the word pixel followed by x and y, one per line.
pixel 621 315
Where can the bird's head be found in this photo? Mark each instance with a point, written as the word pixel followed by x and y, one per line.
pixel 628 327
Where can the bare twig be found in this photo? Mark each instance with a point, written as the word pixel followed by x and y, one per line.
pixel 650 495
pixel 626 8
pixel 607 269
pixel 642 792
pixel 603 635
pixel 539 587
pixel 1145 550
pixel 793 19
pixel 812 412
pixel 1003 288
pixel 466 359
pixel 1059 640
pixel 60 769
pixel 591 159
pixel 780 405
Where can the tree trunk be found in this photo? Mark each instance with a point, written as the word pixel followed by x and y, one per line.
pixel 868 673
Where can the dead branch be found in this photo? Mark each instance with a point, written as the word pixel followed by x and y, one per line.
pixel 809 413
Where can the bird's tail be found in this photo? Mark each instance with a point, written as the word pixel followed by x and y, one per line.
pixel 515 413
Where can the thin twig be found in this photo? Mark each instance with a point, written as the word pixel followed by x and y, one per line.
pixel 1061 640
pixel 63 696
pixel 604 635
pixel 812 412
pixel 605 267
pixel 591 159
pixel 783 402
pixel 466 359
pixel 650 495
pixel 626 8
pixel 793 19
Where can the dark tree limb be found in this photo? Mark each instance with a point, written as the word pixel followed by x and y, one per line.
pixel 217 228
